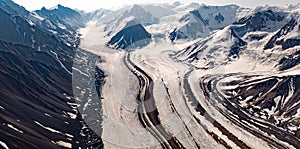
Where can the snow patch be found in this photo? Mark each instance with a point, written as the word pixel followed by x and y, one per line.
pixel 64 144
pixel 53 130
pixel 3 145
pixel 14 128
pixel 61 64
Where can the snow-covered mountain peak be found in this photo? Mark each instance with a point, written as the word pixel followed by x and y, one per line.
pixel 58 6
pixel 222 15
pixel 217 49
pixel 136 9
pixel 159 11
pixel 267 32
pixel 202 21
pixel 187 7
pixel 59 10
pixel 65 17
pixel 97 14
pixel 177 3
pixel 140 15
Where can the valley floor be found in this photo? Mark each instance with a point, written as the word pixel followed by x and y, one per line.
pixel 190 108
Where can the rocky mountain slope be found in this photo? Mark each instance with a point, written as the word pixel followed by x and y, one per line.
pixel 37 105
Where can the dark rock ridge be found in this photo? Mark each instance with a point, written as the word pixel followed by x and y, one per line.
pixel 289 61
pixel 61 21
pixel 288 43
pixel 263 20
pixel 133 35
pixel 237 46
pixel 17 30
pixel 70 18
pixel 13 8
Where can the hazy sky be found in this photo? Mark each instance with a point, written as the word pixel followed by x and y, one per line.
pixel 89 5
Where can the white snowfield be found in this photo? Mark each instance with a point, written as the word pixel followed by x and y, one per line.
pixel 3 145
pixel 177 86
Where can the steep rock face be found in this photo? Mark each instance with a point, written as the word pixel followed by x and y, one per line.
pixel 132 36
pixel 285 43
pixel 18 30
pixel 60 21
pixel 63 16
pixel 264 20
pixel 13 29
pixel 12 8
pixel 289 61
pixel 200 22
